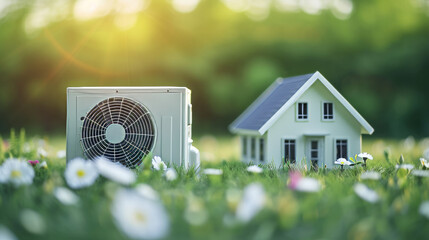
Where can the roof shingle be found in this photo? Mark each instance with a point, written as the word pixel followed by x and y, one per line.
pixel 270 102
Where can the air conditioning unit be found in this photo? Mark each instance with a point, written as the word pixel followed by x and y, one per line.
pixel 124 124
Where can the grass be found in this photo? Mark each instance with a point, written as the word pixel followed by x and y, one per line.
pixel 335 212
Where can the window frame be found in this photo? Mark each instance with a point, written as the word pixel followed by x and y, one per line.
pixel 291 161
pixel 261 149
pixel 317 150
pixel 336 147
pixel 252 148
pixel 297 115
pixel 323 112
pixel 244 146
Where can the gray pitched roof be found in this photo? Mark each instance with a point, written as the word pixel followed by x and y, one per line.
pixel 257 114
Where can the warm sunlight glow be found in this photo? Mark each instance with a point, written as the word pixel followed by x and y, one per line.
pixel 287 5
pixel 68 57
pixel 45 12
pixel 90 9
pixel 312 6
pixel 125 11
pixel 38 18
pixel 185 6
pixel 125 21
pixel 4 6
pixel 131 6
pixel 259 10
pixel 236 5
pixel 342 8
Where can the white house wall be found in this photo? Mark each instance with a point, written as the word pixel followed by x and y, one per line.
pixel 344 126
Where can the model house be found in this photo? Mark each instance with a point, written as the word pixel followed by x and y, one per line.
pixel 300 120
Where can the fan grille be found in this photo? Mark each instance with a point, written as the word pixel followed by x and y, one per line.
pixel 119 129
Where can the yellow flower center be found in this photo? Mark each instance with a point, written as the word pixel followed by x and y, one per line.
pixel 140 217
pixel 15 174
pixel 80 173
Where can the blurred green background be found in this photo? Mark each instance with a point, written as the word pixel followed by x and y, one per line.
pixel 375 52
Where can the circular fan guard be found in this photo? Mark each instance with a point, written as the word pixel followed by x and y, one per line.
pixel 120 129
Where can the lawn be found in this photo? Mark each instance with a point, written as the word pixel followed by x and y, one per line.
pixel 202 206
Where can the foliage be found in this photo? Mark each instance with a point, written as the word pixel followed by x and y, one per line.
pixel 17 147
pixel 1 149
pixel 355 161
pixel 335 212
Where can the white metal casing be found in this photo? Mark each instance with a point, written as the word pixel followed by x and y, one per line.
pixel 170 108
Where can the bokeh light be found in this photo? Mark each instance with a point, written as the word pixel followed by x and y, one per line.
pixel 374 53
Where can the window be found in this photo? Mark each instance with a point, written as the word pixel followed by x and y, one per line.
pixel 314 150
pixel 341 148
pixel 314 154
pixel 252 147
pixel 244 145
pixel 289 146
pixel 328 111
pixel 261 149
pixel 302 111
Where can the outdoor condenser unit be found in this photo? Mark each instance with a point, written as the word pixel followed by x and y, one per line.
pixel 124 124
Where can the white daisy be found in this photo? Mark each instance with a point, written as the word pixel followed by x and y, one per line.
pixel 426 153
pixel 342 162
pixel 229 220
pixel 147 191
pixel 158 164
pixel 420 173
pixel 80 173
pixel 43 165
pixel 424 209
pixel 366 193
pixel 61 154
pixel 3 176
pixel 308 185
pixel 115 171
pixel 26 148
pixel 171 174
pixel 370 175
pixel 41 153
pixel 139 217
pixel 17 172
pixel 252 202
pixel 365 156
pixel 405 166
pixel 424 163
pixel 32 221
pixel 212 171
pixel 233 198
pixel 6 234
pixel 65 196
pixel 195 212
pixel 254 169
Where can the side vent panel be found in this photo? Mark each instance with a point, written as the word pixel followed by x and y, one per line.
pixel 167 140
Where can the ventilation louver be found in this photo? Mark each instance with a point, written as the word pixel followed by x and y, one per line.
pixel 119 129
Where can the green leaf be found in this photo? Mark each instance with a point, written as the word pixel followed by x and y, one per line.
pixel 386 156
pixel 402 172
pixel 401 159
pixel 146 163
